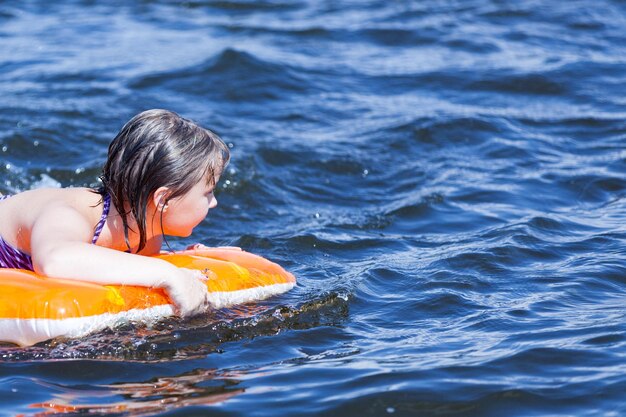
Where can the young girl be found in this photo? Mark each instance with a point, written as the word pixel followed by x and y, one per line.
pixel 158 180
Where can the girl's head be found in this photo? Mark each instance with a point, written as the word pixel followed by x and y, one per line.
pixel 158 149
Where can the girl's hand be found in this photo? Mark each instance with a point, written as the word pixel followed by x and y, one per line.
pixel 200 246
pixel 188 291
pixel 197 246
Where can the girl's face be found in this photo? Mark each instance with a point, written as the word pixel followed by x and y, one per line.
pixel 184 213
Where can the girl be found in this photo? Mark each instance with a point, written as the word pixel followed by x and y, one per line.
pixel 158 180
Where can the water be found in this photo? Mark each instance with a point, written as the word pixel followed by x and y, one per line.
pixel 446 180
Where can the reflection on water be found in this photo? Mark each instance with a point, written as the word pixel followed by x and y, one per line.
pixel 200 387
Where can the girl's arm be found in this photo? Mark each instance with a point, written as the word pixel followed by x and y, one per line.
pixel 59 249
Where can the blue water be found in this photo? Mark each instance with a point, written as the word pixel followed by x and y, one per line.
pixel 447 180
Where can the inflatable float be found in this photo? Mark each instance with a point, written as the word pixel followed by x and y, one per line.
pixel 34 308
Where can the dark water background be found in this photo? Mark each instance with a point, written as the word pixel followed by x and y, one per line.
pixel 447 179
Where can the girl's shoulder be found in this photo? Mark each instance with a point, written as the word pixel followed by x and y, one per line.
pixel 71 195
pixel 32 203
pixel 20 212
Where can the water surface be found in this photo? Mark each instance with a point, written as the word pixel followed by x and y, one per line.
pixel 446 180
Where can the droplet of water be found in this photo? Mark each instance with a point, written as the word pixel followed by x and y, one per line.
pixel 278 316
pixel 343 296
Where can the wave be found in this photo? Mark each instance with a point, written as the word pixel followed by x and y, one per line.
pixel 177 339
pixel 231 76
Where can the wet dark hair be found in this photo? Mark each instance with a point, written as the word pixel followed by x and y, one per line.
pixel 158 148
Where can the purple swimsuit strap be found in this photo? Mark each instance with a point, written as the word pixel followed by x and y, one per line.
pixel 105 212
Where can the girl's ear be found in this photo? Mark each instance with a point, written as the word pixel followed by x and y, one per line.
pixel 159 198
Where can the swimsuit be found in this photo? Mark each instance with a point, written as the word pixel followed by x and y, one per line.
pixel 11 257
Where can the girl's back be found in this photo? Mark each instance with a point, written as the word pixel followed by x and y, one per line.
pixel 19 212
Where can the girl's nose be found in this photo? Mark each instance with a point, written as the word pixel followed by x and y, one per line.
pixel 213 202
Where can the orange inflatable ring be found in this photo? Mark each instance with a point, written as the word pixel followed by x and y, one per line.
pixel 34 308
